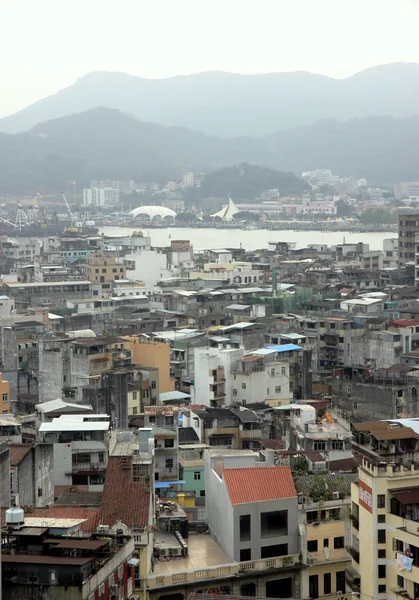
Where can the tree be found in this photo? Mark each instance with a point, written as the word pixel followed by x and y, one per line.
pixel 246 215
pixel 343 209
pixel 377 216
pixel 186 217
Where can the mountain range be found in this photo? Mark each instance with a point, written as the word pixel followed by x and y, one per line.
pixel 105 143
pixel 233 105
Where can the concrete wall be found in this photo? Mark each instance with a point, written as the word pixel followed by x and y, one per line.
pixel 150 266
pixel 192 484
pixel 33 477
pixel 153 354
pixel 4 476
pixel 220 515
pixel 261 384
pixel 257 542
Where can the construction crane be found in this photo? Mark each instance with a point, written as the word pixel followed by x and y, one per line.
pixel 71 215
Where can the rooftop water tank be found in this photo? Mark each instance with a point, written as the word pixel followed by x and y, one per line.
pixel 15 517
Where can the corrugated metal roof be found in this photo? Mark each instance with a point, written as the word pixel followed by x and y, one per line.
pixel 259 484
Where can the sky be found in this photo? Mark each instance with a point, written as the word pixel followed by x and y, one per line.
pixel 46 45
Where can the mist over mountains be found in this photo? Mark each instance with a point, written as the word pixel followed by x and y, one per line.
pixel 233 105
pixel 104 143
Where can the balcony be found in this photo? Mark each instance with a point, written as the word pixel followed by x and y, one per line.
pixel 354 552
pixel 402 593
pixel 221 571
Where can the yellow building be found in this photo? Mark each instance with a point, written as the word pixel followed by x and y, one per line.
pixel 385 509
pixel 153 354
pixel 103 269
pixel 4 395
pixel 325 532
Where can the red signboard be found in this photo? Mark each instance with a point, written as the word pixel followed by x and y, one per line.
pixel 365 496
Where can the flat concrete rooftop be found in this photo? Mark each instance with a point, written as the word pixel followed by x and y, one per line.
pixel 203 552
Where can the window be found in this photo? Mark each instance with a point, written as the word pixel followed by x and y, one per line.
pixel 169 443
pixel 337 445
pixel 248 590
pixel 234 392
pixel 283 370
pixel 197 475
pixel 245 554
pixel 134 410
pixel 381 589
pixel 39 492
pixel 340 581
pixel 202 493
pixel 151 420
pixel 103 270
pixel 381 554
pixel 277 389
pixel 334 513
pixel 243 386
pixel 381 501
pixel 313 585
pixel 400 582
pixel 381 571
pixel 319 446
pixel 312 546
pixel 114 270
pixel 153 385
pixel 5 397
pixel 339 542
pixel 327 583
pixel 381 518
pixel 272 372
pixel 326 543
pixel 245 528
pixel 169 463
pixel 134 395
pixel 381 536
pixel 275 550
pixel 274 524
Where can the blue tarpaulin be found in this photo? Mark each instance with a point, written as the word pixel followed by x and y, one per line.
pixel 167 484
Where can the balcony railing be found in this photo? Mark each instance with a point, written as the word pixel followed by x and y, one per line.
pixel 354 552
pixel 169 579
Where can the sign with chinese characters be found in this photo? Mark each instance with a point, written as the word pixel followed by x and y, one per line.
pixel 365 496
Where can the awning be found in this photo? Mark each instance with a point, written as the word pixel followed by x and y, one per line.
pixel 408 497
pixel 134 562
pixel 167 484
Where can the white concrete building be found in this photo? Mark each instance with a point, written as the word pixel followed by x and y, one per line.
pixel 187 180
pixel 148 266
pixel 100 197
pixel 80 450
pixel 7 307
pixel 213 382
pixel 252 509
pixel 391 254
pixel 261 376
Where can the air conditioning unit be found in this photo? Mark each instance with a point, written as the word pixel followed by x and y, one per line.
pixel 164 552
pixel 335 495
pixel 176 552
pixel 311 560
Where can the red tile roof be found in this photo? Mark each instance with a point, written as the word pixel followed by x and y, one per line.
pixel 63 512
pixel 18 453
pixel 259 484
pixel 405 322
pixel 123 499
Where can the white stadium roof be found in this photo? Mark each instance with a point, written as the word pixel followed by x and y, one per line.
pixel 153 211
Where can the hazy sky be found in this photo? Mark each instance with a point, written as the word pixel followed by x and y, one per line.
pixel 46 45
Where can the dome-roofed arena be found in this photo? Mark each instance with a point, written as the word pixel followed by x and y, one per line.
pixel 156 214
